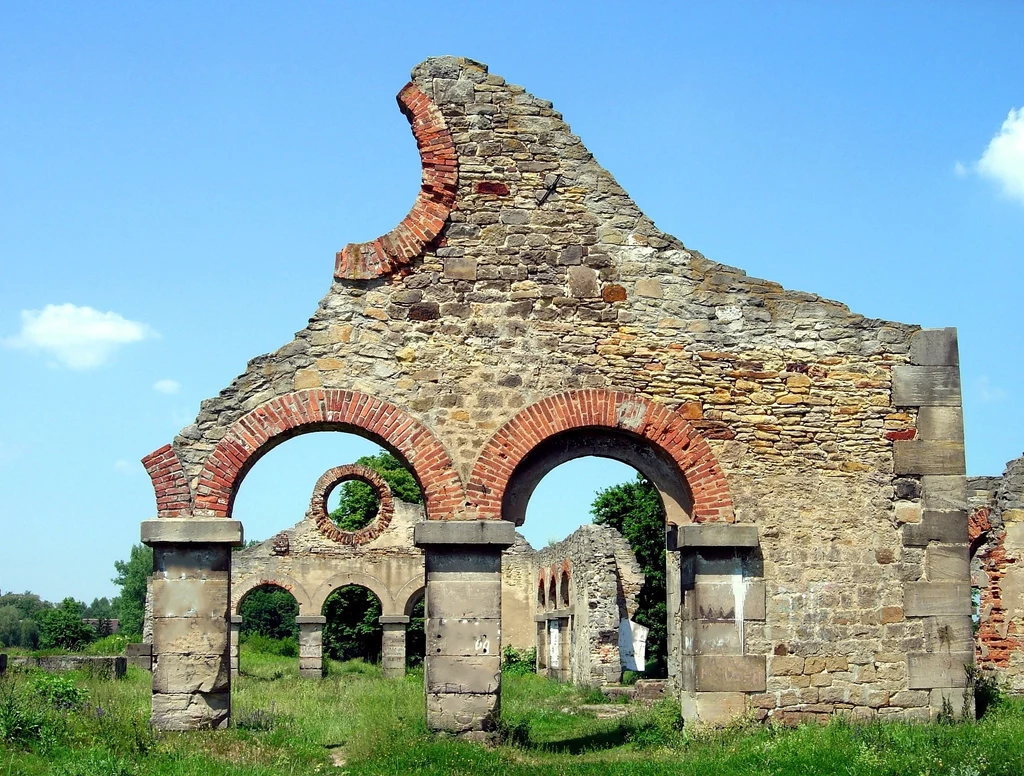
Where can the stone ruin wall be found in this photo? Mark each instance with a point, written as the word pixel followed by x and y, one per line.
pixel 997 570
pixel 586 584
pixel 525 272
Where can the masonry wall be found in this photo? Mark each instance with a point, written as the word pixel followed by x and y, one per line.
pixel 586 585
pixel 997 528
pixel 525 277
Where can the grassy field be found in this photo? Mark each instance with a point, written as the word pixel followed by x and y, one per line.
pixel 355 722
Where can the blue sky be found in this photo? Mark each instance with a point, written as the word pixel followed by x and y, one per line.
pixel 176 178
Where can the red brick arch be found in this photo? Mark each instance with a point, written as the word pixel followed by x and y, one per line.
pixel 321 409
pixel 434 203
pixel 599 409
pixel 173 496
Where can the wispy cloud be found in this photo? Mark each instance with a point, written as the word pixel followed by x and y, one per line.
pixel 122 466
pixel 987 392
pixel 1003 160
pixel 167 386
pixel 77 337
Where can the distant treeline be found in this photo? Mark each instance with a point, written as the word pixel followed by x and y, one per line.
pixel 26 620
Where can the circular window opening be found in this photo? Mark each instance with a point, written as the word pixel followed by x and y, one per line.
pixel 363 507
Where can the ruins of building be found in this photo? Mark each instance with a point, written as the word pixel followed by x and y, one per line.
pixel 314 558
pixel 526 312
pixel 997 550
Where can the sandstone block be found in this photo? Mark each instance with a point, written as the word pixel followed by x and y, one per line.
pixel 448 674
pixel 177 674
pixel 189 597
pixel 934 347
pixel 928 457
pixel 194 711
pixel 458 712
pixel 189 635
pixel 942 527
pixel 928 670
pixel 923 386
pixel 730 673
pixel 940 423
pixel 947 562
pixel 928 599
pixel 468 636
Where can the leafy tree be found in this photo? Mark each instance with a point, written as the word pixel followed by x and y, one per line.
pixel 63 627
pixel 101 609
pixel 132 575
pixel 270 611
pixel 634 510
pixel 353 629
pixel 10 626
pixel 358 502
pixel 29 604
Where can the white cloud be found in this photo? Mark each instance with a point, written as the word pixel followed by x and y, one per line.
pixel 78 337
pixel 167 386
pixel 126 467
pixel 959 170
pixel 987 392
pixel 1003 160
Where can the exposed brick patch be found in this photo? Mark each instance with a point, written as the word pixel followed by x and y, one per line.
pixel 492 187
pixel 613 292
pixel 997 639
pixel 321 409
pixel 978 524
pixel 339 474
pixel 595 408
pixel 902 434
pixel 173 497
pixel 408 240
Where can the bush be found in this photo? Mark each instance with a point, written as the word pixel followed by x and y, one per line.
pixel 108 645
pixel 59 691
pixel 63 628
pixel 257 642
pixel 518 662
pixel 20 723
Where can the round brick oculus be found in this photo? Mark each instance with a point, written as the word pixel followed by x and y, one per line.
pixel 329 481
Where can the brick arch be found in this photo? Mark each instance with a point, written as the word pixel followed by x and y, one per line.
pixel 287 583
pixel 600 409
pixel 320 409
pixel 345 578
pixel 173 496
pixel 434 203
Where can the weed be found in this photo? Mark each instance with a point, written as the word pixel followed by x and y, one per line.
pixel 59 691
pixel 518 662
pixel 19 722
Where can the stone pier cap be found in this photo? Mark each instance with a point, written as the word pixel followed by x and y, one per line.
pixel 192 530
pixel 495 533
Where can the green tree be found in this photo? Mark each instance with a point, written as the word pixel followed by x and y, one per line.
pixel 132 575
pixel 358 503
pixel 634 509
pixel 63 627
pixel 101 609
pixel 10 626
pixel 353 628
pixel 270 611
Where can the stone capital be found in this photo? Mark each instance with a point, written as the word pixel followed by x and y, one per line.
pixel 192 530
pixel 496 533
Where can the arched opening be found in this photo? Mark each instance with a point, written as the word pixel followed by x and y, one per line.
pixel 415 633
pixel 611 478
pixel 353 629
pixel 268 627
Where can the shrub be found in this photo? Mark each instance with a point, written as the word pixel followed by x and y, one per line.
pixel 257 642
pixel 59 691
pixel 63 627
pixel 20 723
pixel 518 662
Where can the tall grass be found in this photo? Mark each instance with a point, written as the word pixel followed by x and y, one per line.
pixel 355 722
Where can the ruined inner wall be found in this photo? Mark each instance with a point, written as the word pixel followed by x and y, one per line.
pixel 525 271
pixel 587 584
pixel 997 528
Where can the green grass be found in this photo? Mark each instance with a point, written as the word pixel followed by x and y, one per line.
pixel 355 722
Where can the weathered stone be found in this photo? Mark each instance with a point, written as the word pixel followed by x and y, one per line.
pixel 945 527
pixel 730 673
pixel 934 347
pixel 928 457
pixel 928 670
pixel 928 599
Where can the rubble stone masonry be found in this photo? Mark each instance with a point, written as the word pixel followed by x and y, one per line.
pixel 526 302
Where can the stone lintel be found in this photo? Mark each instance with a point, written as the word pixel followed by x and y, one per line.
pixel 926 670
pixel 916 456
pixel 934 347
pixel 236 619
pixel 496 533
pixel 554 614
pixel 928 599
pixel 731 673
pixel 392 619
pixel 724 535
pixel 310 619
pixel 926 386
pixel 192 530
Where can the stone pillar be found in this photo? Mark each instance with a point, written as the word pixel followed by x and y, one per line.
pixel 191 600
pixel 392 647
pixel 311 645
pixel 463 622
pixel 233 641
pixel 934 461
pixel 721 589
